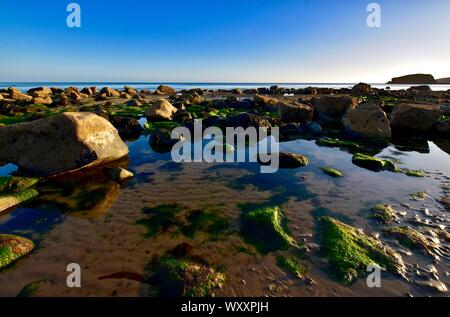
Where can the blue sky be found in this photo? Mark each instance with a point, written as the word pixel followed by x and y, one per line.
pixel 223 40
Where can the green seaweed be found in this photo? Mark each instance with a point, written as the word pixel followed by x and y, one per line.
pixel 292 266
pixel 264 229
pixel 419 196
pixel 410 238
pixel 413 173
pixel 30 290
pixel 373 163
pixel 383 212
pixel 209 222
pixel 13 183
pixel 150 127
pixel 12 248
pixel 351 251
pixel 338 143
pixel 185 278
pixel 162 218
pixel 331 171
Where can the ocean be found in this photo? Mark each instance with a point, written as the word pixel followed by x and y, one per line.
pixel 214 86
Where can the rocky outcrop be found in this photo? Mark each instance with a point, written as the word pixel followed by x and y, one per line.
pixel 161 110
pixel 246 120
pixel 61 143
pixel 414 117
pixel 17 95
pixel 261 100
pixel 443 81
pixel 415 79
pixel 334 106
pixel 294 111
pixel 165 90
pixel 42 100
pixel 362 88
pixel 40 92
pixel 367 121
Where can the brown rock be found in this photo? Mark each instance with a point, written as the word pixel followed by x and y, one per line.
pixel 42 100
pixel 414 117
pixel 109 92
pixel 161 110
pixel 443 126
pixel 130 90
pixel 165 90
pixel 362 88
pixel 17 95
pixel 334 105
pixel 61 143
pixel 261 100
pixel 292 111
pixel 367 121
pixel 40 92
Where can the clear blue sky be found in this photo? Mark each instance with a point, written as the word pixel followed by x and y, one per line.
pixel 223 40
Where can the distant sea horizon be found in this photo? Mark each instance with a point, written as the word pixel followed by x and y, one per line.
pixel 205 85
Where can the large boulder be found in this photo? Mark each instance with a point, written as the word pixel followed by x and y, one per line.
pixel 414 117
pixel 42 100
pixel 165 90
pixel 333 106
pixel 362 88
pixel 130 90
pixel 367 121
pixel 161 110
pixel 109 92
pixel 261 100
pixel 40 92
pixel 64 142
pixel 17 95
pixel 293 111
pixel 246 120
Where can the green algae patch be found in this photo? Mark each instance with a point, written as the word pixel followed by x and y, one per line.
pixel 12 248
pixel 384 213
pixel 32 289
pixel 373 163
pixel 161 219
pixel 445 200
pixel 419 196
pixel 176 277
pixel 332 172
pixel 411 238
pixel 292 266
pixel 12 183
pixel 338 143
pixel 264 228
pixel 209 222
pixel 350 251
pixel 151 127
pixel 16 190
pixel 413 173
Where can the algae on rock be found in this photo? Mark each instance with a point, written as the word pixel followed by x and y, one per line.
pixel 350 251
pixel 12 248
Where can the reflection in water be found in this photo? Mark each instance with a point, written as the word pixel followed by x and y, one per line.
pixel 115 231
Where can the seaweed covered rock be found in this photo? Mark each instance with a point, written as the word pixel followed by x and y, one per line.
pixel 12 248
pixel 351 145
pixel 161 110
pixel 176 277
pixel 367 121
pixel 415 117
pixel 15 190
pixel 350 251
pixel 292 266
pixel 373 163
pixel 264 228
pixel 291 160
pixel 332 171
pixel 383 212
pixel 60 143
pixel 411 238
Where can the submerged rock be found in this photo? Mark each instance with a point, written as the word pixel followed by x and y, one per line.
pixel 415 117
pixel 350 251
pixel 161 140
pixel 15 190
pixel 176 277
pixel 338 143
pixel 292 266
pixel 129 126
pixel 331 171
pixel 12 248
pixel 61 143
pixel 265 230
pixel 385 213
pixel 373 163
pixel 291 160
pixel 413 239
pixel 120 174
pixel 367 121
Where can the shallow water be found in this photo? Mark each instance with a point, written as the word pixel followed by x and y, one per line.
pixel 107 228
